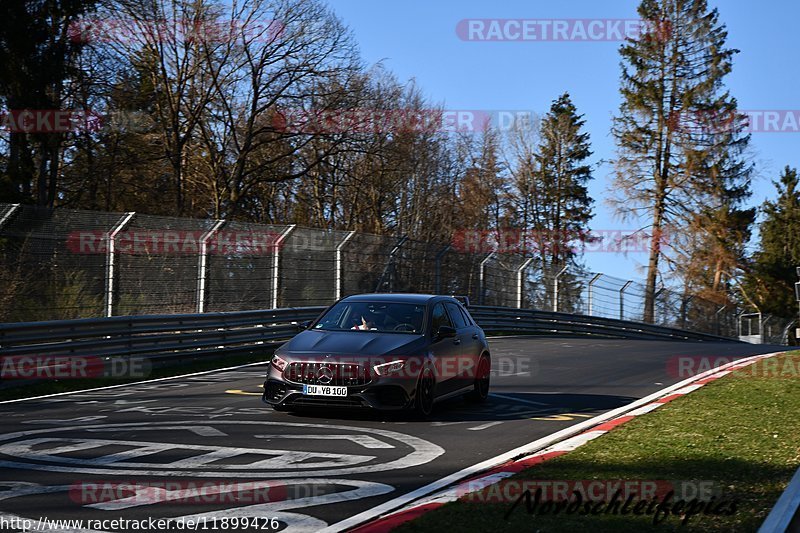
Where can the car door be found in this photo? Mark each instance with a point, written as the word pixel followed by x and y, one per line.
pixel 445 351
pixel 469 343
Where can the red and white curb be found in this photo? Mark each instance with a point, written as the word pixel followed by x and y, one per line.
pixel 391 514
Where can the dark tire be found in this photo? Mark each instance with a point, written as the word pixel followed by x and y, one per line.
pixel 423 404
pixel 482 377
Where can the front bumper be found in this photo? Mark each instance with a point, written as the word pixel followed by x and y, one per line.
pixel 382 392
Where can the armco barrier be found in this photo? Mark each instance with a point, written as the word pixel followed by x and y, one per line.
pixel 506 319
pixel 162 338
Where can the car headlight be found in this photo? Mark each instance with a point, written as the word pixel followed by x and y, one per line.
pixel 389 368
pixel 279 363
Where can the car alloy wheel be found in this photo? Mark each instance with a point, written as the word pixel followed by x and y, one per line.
pixel 425 386
pixel 481 388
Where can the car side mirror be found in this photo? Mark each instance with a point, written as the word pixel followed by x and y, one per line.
pixel 445 332
pixel 303 325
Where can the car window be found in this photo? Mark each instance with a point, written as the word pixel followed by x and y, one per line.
pixel 466 315
pixel 439 318
pixel 386 317
pixel 455 315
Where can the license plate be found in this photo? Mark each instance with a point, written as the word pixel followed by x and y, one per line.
pixel 324 390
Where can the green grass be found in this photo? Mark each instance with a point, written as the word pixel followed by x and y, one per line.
pixel 741 431
pixel 41 388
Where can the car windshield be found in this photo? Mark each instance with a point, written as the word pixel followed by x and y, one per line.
pixel 385 317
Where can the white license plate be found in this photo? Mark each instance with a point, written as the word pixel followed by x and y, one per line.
pixel 324 390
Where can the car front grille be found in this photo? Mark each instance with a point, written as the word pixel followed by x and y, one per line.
pixel 334 374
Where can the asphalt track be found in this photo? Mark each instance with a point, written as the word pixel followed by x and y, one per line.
pixel 193 444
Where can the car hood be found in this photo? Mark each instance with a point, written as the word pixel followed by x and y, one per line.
pixel 352 343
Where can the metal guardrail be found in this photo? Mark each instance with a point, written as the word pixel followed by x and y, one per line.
pixel 170 337
pixel 158 338
pixel 505 319
pixel 785 516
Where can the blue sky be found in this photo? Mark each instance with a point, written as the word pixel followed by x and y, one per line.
pixel 417 39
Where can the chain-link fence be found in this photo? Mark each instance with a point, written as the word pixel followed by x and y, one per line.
pixel 60 264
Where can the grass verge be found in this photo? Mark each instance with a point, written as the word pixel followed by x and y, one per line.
pixel 738 434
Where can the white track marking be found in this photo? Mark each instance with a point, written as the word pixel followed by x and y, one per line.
pixel 521 400
pixel 135 383
pixel 65 421
pixel 484 426
pixel 364 440
pixel 423 452
pixel 202 431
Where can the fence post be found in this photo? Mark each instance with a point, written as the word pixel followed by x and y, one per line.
pixel 684 309
pixel 655 304
pixel 520 275
pixel 481 278
pixel 389 268
pixel 439 268
pixel 555 288
pixel 716 319
pixel 591 292
pixel 337 275
pixel 7 216
pixel 622 299
pixel 110 255
pixel 276 264
pixel 202 263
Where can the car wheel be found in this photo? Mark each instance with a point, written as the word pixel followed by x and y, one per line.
pixel 481 388
pixel 424 397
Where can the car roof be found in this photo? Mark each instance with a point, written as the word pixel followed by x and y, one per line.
pixel 393 297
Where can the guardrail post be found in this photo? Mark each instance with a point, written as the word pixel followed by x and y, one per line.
pixel 7 216
pixel 622 299
pixel 276 264
pixel 338 273
pixel 481 278
pixel 202 263
pixel 520 276
pixel 555 288
pixel 591 293
pixel 110 256
pixel 439 257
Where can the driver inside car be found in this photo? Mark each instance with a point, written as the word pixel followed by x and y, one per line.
pixel 364 325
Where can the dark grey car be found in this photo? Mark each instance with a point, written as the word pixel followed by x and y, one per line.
pixel 382 351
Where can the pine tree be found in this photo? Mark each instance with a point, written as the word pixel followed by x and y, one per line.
pixel 771 276
pixel 674 152
pixel 562 207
